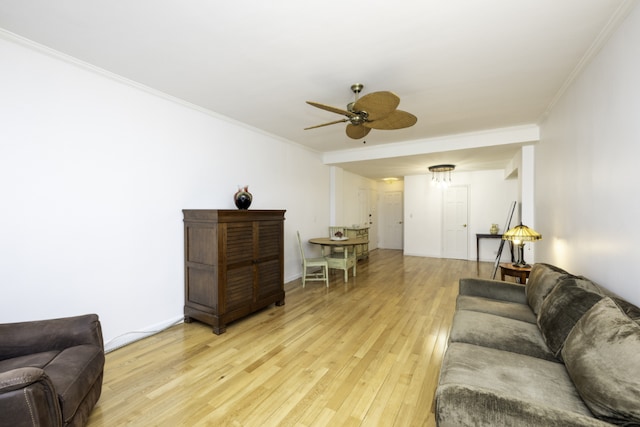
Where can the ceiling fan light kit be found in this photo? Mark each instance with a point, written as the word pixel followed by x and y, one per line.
pixel 376 110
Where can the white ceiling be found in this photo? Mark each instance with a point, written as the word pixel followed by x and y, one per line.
pixel 460 66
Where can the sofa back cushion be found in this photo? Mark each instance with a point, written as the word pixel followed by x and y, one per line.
pixel 24 338
pixel 569 300
pixel 627 308
pixel 601 356
pixel 542 279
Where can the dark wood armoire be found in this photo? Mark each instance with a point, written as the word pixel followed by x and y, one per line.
pixel 234 264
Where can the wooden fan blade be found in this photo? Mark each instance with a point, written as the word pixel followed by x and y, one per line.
pixel 332 109
pixel 396 120
pixel 357 131
pixel 327 124
pixel 377 104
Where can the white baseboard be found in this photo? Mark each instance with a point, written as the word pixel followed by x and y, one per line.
pixel 133 336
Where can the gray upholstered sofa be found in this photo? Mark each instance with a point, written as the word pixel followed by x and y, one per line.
pixel 558 351
pixel 50 371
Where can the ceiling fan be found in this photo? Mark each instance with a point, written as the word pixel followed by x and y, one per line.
pixel 376 110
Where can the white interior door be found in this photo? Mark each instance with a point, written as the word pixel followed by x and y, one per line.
pixel 373 219
pixel 455 238
pixel 393 214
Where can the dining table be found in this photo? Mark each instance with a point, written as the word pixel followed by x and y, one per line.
pixel 344 259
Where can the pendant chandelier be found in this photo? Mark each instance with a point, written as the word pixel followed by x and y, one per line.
pixel 441 175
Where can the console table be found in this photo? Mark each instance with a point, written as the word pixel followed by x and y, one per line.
pixel 489 236
pixel 484 236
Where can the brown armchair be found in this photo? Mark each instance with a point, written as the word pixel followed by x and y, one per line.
pixel 50 371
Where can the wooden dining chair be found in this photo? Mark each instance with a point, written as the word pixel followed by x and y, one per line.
pixel 310 267
pixel 344 261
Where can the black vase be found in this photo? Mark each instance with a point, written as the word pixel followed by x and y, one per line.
pixel 243 198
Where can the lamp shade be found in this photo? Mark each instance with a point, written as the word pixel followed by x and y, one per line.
pixel 521 233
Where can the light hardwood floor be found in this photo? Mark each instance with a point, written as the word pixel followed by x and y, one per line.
pixel 364 353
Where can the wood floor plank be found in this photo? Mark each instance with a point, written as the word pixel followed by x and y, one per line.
pixel 362 353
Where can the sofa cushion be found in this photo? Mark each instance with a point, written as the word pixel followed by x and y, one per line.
pixel 632 311
pixel 512 310
pixel 542 279
pixel 492 289
pixel 499 332
pixel 601 356
pixel 563 307
pixel 629 309
pixel 36 360
pixel 485 386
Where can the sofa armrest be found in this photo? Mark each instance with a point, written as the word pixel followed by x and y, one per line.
pixel 493 289
pixel 27 397
pixel 20 378
pixel 20 339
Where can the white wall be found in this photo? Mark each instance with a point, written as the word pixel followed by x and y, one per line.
pixel 95 173
pixel 586 169
pixel 347 189
pixel 489 198
pixel 521 168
